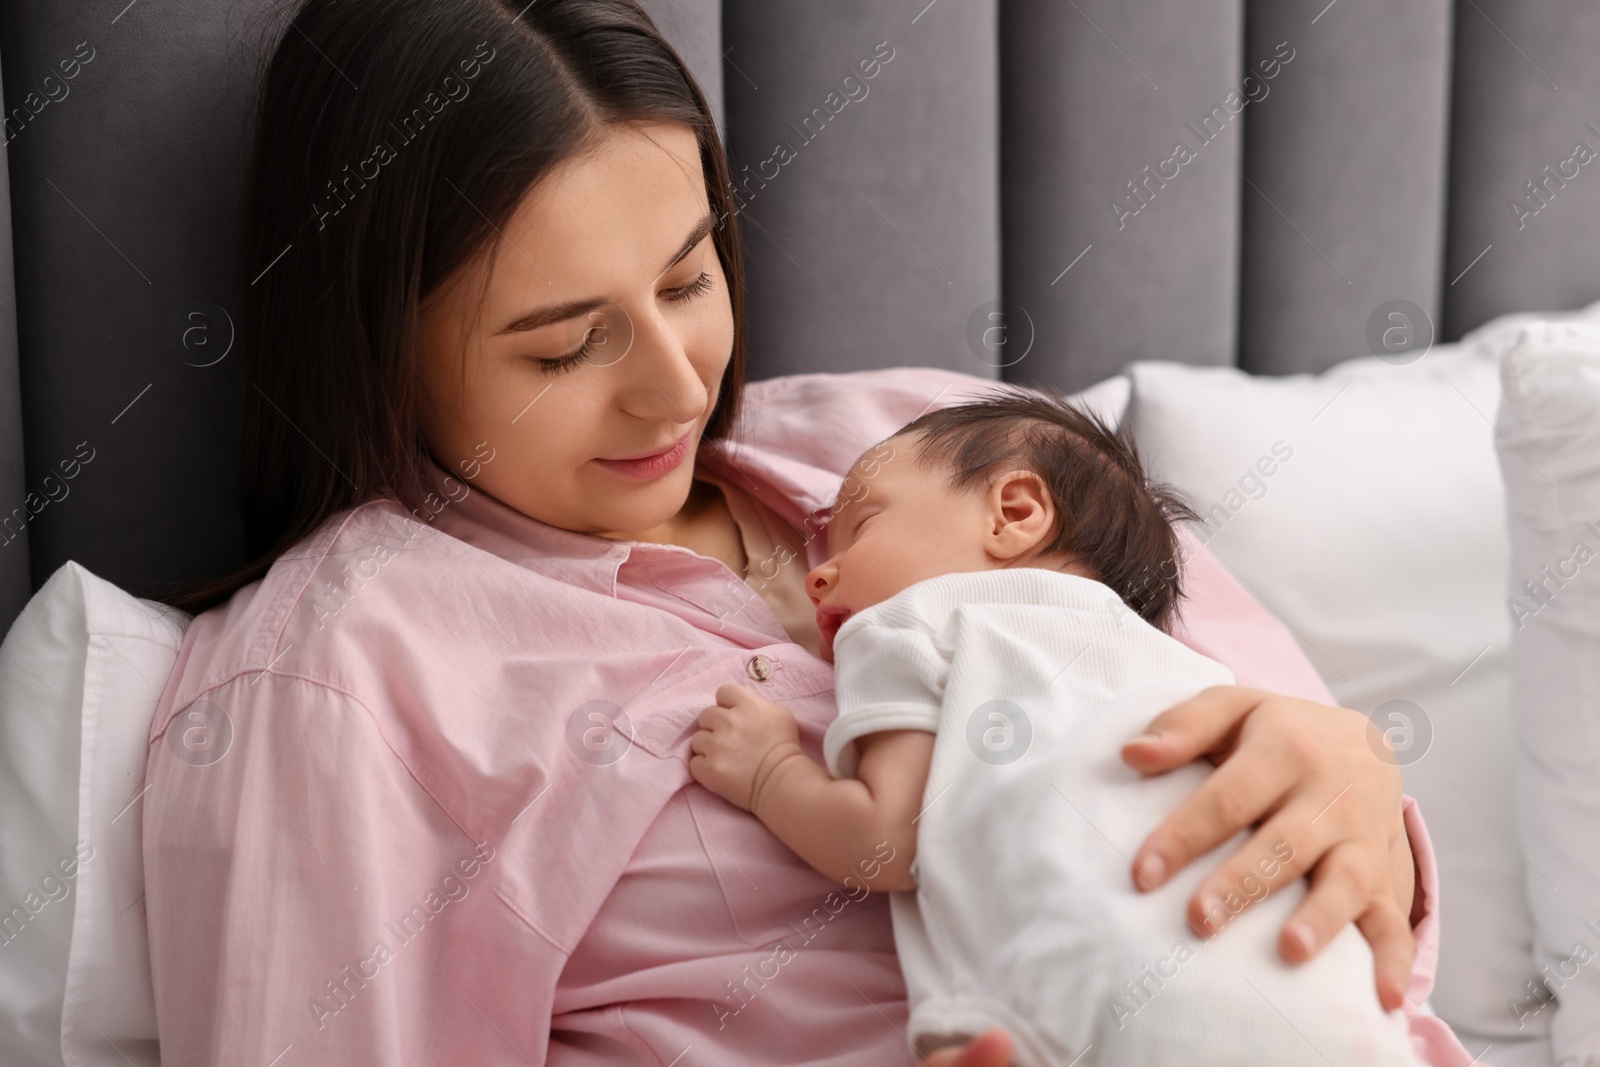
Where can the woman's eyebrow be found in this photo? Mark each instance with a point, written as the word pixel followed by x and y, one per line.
pixel 696 235
pixel 545 316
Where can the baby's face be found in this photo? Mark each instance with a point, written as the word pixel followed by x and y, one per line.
pixel 898 525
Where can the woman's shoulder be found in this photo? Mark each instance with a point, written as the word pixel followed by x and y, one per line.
pixel 324 605
pixel 828 420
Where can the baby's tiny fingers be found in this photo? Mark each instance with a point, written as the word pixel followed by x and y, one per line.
pixel 730 693
pixel 711 716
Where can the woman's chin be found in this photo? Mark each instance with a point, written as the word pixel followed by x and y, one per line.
pixel 643 508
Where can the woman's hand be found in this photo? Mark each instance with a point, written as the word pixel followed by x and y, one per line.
pixel 1324 787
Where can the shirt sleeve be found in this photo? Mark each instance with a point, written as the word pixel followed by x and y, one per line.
pixel 828 420
pixel 305 891
pixel 803 431
pixel 1221 619
pixel 888 677
pixel 1431 1036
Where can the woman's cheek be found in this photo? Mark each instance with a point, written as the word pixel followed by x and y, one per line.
pixel 710 357
pixel 713 335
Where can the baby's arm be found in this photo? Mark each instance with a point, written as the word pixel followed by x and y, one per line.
pixel 748 752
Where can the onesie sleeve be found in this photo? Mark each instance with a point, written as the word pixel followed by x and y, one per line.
pixel 889 675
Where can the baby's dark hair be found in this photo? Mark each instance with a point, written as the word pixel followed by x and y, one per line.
pixel 1110 515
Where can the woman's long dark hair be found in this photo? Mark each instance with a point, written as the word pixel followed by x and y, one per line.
pixel 393 140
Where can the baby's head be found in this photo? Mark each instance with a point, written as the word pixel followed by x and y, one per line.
pixel 1020 478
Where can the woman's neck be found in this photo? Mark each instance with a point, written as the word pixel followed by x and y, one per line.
pixel 703 525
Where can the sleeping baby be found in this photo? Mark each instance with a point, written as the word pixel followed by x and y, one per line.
pixel 999 583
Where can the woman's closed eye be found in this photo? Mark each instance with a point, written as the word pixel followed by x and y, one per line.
pixel 572 359
pixel 699 287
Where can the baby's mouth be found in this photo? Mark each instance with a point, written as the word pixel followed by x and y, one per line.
pixel 829 619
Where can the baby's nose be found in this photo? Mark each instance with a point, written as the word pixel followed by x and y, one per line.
pixel 816 583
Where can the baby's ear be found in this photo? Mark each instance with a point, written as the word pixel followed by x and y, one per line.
pixel 1021 514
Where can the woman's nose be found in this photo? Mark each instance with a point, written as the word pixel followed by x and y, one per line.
pixel 665 383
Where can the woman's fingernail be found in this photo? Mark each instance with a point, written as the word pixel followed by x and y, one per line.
pixel 1149 737
pixel 1153 872
pixel 1396 997
pixel 1301 935
pixel 1213 914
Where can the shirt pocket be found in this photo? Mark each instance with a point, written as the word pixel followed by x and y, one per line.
pixel 770 892
pixel 662 720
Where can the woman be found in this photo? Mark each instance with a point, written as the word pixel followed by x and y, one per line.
pixel 417 783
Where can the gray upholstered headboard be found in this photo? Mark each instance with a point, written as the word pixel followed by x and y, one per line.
pixel 1334 156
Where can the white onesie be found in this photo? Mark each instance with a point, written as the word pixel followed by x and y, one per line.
pixel 1025 915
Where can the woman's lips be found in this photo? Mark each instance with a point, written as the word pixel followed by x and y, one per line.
pixel 829 619
pixel 654 465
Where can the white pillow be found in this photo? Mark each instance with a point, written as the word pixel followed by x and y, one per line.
pixel 80 673
pixel 1498 336
pixel 1364 507
pixel 1549 448
pixel 1107 399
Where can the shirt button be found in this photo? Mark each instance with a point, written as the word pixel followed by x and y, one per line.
pixel 759 667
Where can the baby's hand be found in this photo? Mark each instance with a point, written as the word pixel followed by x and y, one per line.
pixel 742 738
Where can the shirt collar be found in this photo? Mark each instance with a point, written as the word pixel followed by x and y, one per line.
pixel 483 521
pixel 798 492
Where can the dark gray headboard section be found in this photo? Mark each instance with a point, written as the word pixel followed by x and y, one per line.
pixel 878 234
pixel 124 193
pixel 1345 171
pixel 1094 97
pixel 1526 93
pixel 885 218
pixel 695 28
pixel 15 587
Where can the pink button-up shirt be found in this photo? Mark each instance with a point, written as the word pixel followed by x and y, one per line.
pixel 420 794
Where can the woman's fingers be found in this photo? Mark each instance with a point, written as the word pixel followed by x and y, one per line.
pixel 1262 866
pixel 1330 802
pixel 1350 884
pixel 1286 846
pixel 1347 886
pixel 1188 730
pixel 1341 890
pixel 1393 951
pixel 1403 871
pixel 1235 795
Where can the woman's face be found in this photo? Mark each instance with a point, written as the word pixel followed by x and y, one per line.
pixel 601 338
